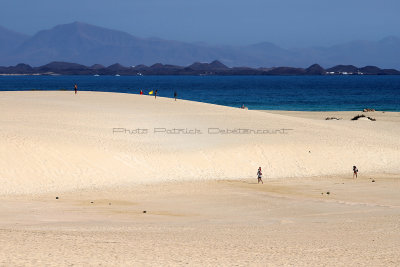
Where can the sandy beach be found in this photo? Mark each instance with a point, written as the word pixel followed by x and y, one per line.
pixel 341 115
pixel 117 179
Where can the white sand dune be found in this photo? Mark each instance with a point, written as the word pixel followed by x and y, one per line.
pixel 58 141
pixel 58 144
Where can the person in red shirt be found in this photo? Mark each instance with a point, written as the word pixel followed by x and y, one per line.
pixel 141 92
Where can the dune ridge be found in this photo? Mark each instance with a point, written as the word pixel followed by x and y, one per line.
pixel 58 141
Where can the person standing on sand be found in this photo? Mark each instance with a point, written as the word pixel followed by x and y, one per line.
pixel 76 88
pixel 175 95
pixel 155 94
pixel 355 171
pixel 259 176
pixel 141 92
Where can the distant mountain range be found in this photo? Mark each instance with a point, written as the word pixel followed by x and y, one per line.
pixel 87 44
pixel 9 40
pixel 197 68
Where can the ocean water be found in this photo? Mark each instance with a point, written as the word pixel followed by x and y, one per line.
pixel 308 93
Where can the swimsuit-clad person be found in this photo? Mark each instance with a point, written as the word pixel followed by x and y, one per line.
pixel 355 171
pixel 259 176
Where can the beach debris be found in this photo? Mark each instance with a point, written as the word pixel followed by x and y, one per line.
pixel 109 203
pixel 144 211
pixel 309 151
pixel 357 117
pixel 56 197
pixel 368 110
pixel 91 202
pixel 328 193
pixel 333 118
pixel 362 116
pixel 373 181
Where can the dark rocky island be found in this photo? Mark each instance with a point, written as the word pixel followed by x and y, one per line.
pixel 213 68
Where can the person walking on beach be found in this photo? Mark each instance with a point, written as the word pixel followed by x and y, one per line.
pixel 76 88
pixel 141 92
pixel 355 171
pixel 175 95
pixel 259 176
pixel 155 93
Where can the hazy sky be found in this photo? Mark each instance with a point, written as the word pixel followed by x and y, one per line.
pixel 288 23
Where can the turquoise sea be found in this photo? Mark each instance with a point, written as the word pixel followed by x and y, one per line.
pixel 318 93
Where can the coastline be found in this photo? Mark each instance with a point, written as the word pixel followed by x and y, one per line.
pixel 264 91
